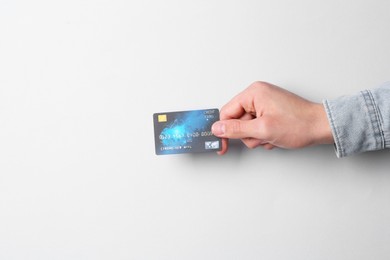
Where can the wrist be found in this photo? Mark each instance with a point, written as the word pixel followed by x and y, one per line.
pixel 321 129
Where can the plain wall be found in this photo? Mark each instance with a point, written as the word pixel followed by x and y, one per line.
pixel 80 80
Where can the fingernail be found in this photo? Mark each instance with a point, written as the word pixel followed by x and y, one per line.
pixel 218 129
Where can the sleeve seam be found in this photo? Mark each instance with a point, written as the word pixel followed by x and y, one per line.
pixel 338 143
pixel 375 119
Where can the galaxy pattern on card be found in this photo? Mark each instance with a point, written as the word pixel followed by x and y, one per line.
pixel 185 131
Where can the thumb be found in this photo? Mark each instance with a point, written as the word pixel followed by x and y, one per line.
pixel 235 129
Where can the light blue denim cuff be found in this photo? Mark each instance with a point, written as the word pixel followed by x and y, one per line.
pixel 360 122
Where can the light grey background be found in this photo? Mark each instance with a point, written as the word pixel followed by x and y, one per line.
pixel 80 80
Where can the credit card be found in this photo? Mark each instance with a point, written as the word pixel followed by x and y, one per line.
pixel 186 131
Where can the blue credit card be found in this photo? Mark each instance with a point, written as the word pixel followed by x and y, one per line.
pixel 186 131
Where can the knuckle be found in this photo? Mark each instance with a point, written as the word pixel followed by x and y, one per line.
pixel 236 127
pixel 260 85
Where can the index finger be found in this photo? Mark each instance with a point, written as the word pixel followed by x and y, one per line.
pixel 238 106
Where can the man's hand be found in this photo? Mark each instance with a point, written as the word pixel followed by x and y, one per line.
pixel 269 116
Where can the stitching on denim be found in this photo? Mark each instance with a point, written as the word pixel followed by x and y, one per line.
pixel 378 119
pixel 336 131
pixel 373 119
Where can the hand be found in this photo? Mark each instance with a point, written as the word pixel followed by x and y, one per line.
pixel 269 116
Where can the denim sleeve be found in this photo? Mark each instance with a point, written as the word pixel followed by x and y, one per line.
pixel 360 122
